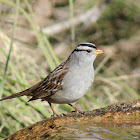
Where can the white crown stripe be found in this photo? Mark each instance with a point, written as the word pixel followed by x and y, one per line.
pixel 84 48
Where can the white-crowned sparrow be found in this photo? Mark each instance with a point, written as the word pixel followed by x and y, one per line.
pixel 69 81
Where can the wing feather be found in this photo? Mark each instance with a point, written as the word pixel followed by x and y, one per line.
pixel 51 84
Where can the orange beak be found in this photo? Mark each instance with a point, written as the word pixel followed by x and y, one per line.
pixel 98 51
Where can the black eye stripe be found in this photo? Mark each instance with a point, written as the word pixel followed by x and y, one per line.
pixel 79 50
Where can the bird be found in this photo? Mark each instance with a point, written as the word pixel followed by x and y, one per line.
pixel 68 82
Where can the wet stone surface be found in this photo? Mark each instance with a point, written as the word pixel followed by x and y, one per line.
pixel 117 121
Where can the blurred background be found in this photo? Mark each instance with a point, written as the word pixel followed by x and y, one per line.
pixel 37 35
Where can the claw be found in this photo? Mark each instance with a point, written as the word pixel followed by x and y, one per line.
pixel 76 109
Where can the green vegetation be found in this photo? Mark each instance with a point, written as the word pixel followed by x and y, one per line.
pixel 28 54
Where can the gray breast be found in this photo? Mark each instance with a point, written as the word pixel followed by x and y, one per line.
pixel 75 85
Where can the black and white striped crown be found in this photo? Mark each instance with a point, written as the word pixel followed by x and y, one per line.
pixel 85 46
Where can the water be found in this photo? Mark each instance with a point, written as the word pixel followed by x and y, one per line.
pixel 106 132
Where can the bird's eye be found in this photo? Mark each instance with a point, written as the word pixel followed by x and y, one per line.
pixel 88 51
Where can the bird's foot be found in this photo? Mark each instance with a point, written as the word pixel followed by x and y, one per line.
pixel 76 109
pixel 79 111
pixel 55 114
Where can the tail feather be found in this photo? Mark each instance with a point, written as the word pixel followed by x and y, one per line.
pixel 22 93
pixel 28 92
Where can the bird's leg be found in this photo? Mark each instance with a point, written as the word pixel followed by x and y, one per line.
pixel 75 108
pixel 54 113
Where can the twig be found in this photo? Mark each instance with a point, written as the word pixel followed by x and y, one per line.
pixel 91 16
pixel 124 77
